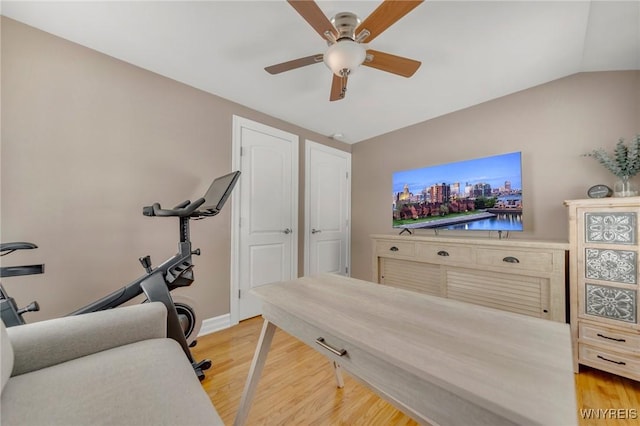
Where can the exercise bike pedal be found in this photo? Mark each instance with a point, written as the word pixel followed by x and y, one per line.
pixel 205 364
pixel 199 368
pixel 200 374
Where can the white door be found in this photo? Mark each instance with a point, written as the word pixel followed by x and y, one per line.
pixel 327 205
pixel 265 221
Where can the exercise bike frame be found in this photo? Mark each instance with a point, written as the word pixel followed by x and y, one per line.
pixel 176 271
pixel 158 282
pixel 156 285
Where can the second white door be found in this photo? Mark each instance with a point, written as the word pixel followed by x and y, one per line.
pixel 327 205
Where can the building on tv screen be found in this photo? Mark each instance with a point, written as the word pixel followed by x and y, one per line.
pixel 483 194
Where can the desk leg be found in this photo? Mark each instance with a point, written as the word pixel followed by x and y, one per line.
pixel 255 371
pixel 338 370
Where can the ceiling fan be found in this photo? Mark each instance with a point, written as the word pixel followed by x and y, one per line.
pixel 346 34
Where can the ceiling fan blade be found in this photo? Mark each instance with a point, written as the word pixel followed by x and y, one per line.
pixel 386 15
pixel 391 63
pixel 338 88
pixel 296 63
pixel 312 13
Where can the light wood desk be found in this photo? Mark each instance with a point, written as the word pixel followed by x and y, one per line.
pixel 438 360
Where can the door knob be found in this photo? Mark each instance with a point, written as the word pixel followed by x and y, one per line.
pixel 316 231
pixel 287 231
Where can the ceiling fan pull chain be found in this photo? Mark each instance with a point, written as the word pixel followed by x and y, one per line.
pixel 343 91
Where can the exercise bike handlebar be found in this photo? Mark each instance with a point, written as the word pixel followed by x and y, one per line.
pixel 184 209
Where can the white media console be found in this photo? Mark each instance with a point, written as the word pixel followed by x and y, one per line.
pixel 521 276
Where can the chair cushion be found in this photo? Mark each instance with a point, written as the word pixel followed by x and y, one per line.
pixel 45 343
pixel 144 383
pixel 6 355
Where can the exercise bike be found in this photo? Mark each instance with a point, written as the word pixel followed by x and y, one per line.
pixel 156 283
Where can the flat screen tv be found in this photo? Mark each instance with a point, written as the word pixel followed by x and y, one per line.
pixel 483 194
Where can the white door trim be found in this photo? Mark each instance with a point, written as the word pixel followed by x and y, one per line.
pixel 238 124
pixel 307 226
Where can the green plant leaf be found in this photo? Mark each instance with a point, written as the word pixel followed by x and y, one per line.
pixel 625 160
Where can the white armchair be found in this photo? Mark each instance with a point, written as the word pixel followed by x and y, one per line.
pixel 112 367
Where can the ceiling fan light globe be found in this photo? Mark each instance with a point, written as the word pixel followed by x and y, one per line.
pixel 345 54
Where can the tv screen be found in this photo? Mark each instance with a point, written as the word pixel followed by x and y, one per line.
pixel 483 194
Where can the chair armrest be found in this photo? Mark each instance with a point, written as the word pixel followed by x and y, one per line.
pixel 46 343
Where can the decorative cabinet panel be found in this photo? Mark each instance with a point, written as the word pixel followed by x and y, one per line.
pixel 611 265
pixel 520 276
pixel 610 302
pixel 603 264
pixel 610 228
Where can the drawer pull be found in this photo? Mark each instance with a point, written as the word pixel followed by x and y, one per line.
pixel 511 259
pixel 443 253
pixel 339 352
pixel 394 248
pixel 611 338
pixel 610 360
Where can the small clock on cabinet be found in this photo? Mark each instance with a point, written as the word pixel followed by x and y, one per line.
pixel 599 191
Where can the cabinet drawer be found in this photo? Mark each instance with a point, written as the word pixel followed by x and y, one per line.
pixel 516 259
pixel 613 338
pixel 444 253
pixel 395 248
pixel 625 365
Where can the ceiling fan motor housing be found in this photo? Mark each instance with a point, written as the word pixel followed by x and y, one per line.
pixel 346 24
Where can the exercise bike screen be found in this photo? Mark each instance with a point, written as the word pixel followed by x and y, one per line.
pixel 219 191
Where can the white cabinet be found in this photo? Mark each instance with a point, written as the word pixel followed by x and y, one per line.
pixel 603 234
pixel 521 276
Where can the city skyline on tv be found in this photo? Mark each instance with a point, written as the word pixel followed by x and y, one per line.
pixel 494 170
pixel 478 194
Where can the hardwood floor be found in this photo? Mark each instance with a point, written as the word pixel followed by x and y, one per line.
pixel 297 386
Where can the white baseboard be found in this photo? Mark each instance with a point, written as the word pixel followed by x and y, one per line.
pixel 211 325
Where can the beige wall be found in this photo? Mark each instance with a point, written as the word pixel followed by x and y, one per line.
pixel 552 125
pixel 87 140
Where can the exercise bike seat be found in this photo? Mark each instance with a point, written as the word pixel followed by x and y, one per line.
pixel 16 271
pixel 16 246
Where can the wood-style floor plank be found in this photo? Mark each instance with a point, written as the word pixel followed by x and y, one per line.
pixel 298 386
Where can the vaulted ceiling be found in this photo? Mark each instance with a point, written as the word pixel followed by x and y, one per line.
pixel 471 52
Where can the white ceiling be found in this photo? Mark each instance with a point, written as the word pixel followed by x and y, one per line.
pixel 471 52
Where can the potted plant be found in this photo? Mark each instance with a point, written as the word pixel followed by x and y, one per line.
pixel 624 164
